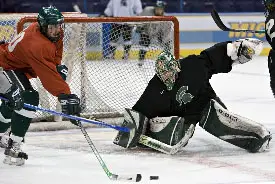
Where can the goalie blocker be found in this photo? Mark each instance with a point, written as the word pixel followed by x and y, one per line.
pixel 168 130
pixel 175 132
pixel 136 122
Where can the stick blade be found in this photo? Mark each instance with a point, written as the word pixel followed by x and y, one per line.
pixel 133 178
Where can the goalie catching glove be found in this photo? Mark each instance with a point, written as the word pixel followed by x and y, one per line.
pixel 243 50
pixel 70 105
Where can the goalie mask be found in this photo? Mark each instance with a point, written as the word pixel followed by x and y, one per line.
pixel 269 6
pixel 167 68
pixel 51 22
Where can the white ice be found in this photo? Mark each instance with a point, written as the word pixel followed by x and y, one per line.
pixel 65 157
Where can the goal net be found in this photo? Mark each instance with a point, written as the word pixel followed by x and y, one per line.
pixel 105 78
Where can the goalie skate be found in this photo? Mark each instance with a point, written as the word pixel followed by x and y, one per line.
pixel 14 154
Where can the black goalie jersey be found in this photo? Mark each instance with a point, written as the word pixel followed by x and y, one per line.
pixel 192 90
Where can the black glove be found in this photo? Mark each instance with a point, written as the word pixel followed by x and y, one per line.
pixel 62 70
pixel 14 96
pixel 70 105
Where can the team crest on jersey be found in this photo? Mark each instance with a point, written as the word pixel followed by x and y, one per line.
pixel 182 97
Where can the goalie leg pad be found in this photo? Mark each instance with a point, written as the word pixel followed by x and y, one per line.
pixel 234 129
pixel 137 123
pixel 169 130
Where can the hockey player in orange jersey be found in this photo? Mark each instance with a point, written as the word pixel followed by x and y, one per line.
pixel 35 52
pixel 35 55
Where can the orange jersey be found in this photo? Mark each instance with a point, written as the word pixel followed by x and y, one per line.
pixel 35 55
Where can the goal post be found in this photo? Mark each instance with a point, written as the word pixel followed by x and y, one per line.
pixel 106 86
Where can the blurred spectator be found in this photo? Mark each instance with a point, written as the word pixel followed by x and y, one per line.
pixel 156 31
pixel 9 6
pixel 97 6
pixel 122 8
pixel 157 10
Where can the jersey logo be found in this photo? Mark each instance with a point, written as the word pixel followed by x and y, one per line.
pixel 183 97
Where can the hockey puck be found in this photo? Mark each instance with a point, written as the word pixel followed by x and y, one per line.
pixel 154 177
pixel 138 178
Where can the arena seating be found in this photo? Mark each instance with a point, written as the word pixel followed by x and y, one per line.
pixel 98 6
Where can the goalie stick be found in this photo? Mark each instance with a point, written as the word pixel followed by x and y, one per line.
pixel 223 27
pixel 162 147
pixel 165 148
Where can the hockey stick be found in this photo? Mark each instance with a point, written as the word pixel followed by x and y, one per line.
pixel 134 178
pixel 223 27
pixel 124 129
pixel 165 148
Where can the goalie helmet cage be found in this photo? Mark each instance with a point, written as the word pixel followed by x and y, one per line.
pixel 106 86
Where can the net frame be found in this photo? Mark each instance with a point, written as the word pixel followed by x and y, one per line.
pixel 173 19
pixel 83 20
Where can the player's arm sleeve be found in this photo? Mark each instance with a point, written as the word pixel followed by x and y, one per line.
pixel 109 9
pixel 138 7
pixel 216 59
pixel 45 68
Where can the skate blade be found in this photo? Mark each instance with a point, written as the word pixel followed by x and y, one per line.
pixel 13 161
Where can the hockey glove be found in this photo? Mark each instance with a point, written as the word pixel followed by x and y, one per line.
pixel 14 96
pixel 243 50
pixel 63 71
pixel 70 105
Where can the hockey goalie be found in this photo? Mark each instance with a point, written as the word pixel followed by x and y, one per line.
pixel 180 96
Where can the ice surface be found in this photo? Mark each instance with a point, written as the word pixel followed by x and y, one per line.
pixel 65 157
